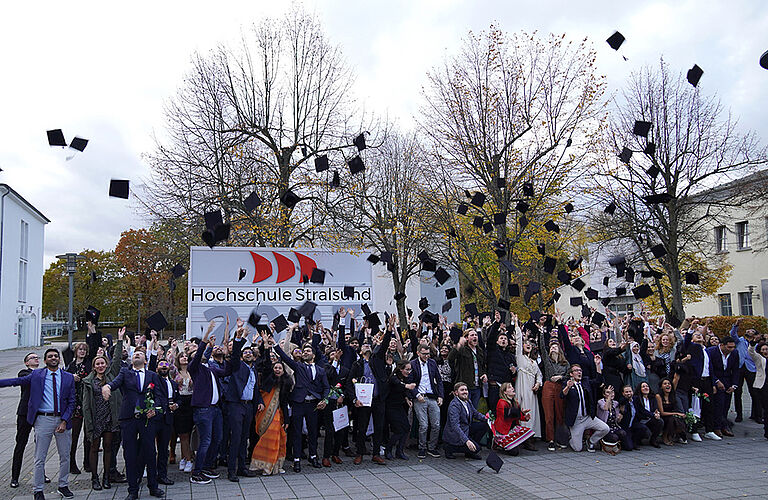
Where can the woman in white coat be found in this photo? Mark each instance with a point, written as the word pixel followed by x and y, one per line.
pixel 529 380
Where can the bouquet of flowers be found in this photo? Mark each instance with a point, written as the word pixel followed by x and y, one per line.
pixel 335 393
pixel 148 405
pixel 691 420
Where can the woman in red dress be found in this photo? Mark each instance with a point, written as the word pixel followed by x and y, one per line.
pixel 508 434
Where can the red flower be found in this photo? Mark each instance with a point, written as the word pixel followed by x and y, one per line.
pixel 338 385
pixel 151 385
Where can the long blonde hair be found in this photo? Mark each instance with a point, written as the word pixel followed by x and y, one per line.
pixel 503 394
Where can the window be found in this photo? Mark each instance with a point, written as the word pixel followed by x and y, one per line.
pixel 726 309
pixel 721 239
pixel 742 235
pixel 622 309
pixel 23 258
pixel 745 303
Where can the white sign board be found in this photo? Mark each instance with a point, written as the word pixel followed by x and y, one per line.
pixel 234 281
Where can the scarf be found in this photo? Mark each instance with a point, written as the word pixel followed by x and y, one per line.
pixel 637 362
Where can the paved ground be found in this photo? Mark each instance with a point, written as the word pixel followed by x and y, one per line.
pixel 736 467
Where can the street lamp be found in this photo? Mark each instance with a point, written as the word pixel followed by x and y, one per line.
pixel 71 266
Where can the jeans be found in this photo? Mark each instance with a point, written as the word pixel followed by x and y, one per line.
pixel 474 396
pixel 428 414
pixel 45 431
pixel 209 433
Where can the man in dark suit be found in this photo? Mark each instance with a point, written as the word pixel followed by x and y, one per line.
pixel 465 426
pixel 337 377
pixel 724 370
pixel 637 421
pixel 168 397
pixel 23 428
pixel 370 368
pixel 428 397
pixel 49 411
pixel 138 385
pixel 243 400
pixel 310 389
pixel 580 409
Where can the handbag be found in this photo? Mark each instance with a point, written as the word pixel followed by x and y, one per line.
pixel 364 392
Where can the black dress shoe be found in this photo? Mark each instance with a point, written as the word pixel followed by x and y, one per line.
pixel 64 492
pixel 314 462
pixel 47 479
pixel 74 470
pixel 131 496
pixel 105 483
pixel 165 481
pixel 247 473
pixel 297 466
pixel 233 478
pixel 39 495
pixel 738 418
pixel 157 492
pixel 96 484
pixel 117 477
pixel 14 483
pixel 472 456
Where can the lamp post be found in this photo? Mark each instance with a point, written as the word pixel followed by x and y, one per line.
pixel 71 259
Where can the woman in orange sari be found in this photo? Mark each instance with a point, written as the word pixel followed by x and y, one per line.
pixel 269 452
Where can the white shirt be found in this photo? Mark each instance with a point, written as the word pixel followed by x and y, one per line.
pixel 646 403
pixel 425 387
pixel 170 389
pixel 215 396
pixel 313 370
pixel 725 359
pixel 580 391
pixel 705 370
pixel 466 407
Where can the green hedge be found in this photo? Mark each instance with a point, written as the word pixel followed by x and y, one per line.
pixel 721 325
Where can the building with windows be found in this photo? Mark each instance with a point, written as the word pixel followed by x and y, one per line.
pixel 21 270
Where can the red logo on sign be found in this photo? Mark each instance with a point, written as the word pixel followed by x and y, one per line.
pixel 286 269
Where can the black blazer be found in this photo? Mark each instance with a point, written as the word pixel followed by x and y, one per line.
pixel 238 373
pixel 435 381
pixel 164 402
pixel 24 401
pixel 378 365
pixel 590 388
pixel 728 375
pixel 133 396
pixel 305 385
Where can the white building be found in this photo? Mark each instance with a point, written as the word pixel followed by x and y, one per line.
pixel 21 270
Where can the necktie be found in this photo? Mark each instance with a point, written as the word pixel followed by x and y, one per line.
pixel 581 399
pixel 138 379
pixel 55 394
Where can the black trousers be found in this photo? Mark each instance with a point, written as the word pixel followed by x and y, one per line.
pixel 762 395
pixel 650 430
pixel 333 439
pixel 707 407
pixel 749 377
pixel 477 431
pixel 301 411
pixel 362 417
pixel 22 437
pixel 239 422
pixel 138 450
pixel 163 438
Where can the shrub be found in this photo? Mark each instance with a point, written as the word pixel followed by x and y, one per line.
pixel 721 325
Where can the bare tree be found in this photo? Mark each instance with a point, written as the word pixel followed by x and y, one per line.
pixel 693 146
pixel 517 107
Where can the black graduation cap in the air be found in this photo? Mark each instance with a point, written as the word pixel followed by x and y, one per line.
pixel 423 303
pixel 617 260
pixel 606 280
pixel 356 165
pixel 503 304
pixel 532 288
pixel 307 309
pixel 359 142
pixel 280 323
pixel 573 264
pixel 467 194
pixel 528 189
pixel 213 219
pixel 374 322
pixel 289 199
pixel 629 274
pixel 523 221
pixel 208 238
pixel 79 144
pixel 509 266
pixel 625 155
pixel 610 209
pixel 605 301
pixel 674 321
pixel 650 149
pixel 621 290
pixel 541 248
pixel 501 182
pixel 653 171
pixel 462 208
pixel 487 227
pixel 446 307
pixel 253 319
pixel 450 293
pixel 293 315
pixel 549 265
pixel 576 301
pixel 551 226
pixel 477 222
pixel 386 257
pixel 620 269
pixel 251 202
pixel 659 251
pixel 478 199
pixel 691 278
pixel 535 316
pixel 513 289
pixel 615 40
pixel 157 321
pixel 568 208
pixel 641 128
pixel 500 218
pixel 423 255
pixel 471 308
pixel 221 233
pixel 373 258
pixel 564 277
pixel 655 199
pixel 499 248
pixel 598 318
pixel 586 312
pixel 335 181
pixel 429 265
pixel 400 296
pixel 178 271
pixel 119 188
pixel 694 75
pixel 642 291
pixel 556 296
pixel 441 275
pixel 318 276
pixel 764 64
pixel 321 163
pixel 56 138
pixel 591 293
pixel 92 314
pixel 578 284
pixel 455 332
pixel 349 292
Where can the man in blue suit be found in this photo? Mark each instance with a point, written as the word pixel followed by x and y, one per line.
pixel 49 411
pixel 428 397
pixel 465 426
pixel 137 384
pixel 306 398
pixel 724 370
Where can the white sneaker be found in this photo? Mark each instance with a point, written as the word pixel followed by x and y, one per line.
pixel 182 463
pixel 713 436
pixel 188 466
pixel 696 437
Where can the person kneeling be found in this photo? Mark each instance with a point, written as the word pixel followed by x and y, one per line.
pixel 580 409
pixel 465 426
pixel 508 434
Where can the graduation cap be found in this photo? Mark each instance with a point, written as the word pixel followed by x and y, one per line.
pixel 528 189
pixel 289 199
pixel 221 233
pixel 318 276
pixel 79 144
pixel 650 149
pixel 578 284
pixel 429 265
pixel 598 318
pixel 467 194
pixel 641 128
pixel 541 248
pixel 513 289
pixel 253 319
pixel 241 274
pixel 510 266
pixel 591 293
pixel 535 316
pixel 629 274
pixel 462 209
pixel 471 308
pixel 691 278
pixel 321 163
pixel 659 251
pixel 655 199
pixel 523 221
pixel 503 304
pixel 359 142
pixel 477 222
pixel 349 292
pixel 423 303
pixel 586 312
pixel 694 75
pixel 307 309
pixel 653 171
pixel 56 138
pixel 532 288
pixel 764 64
pixel 386 257
pixel 423 255
pixel 157 321
pixel 251 202
pixel 642 291
pixel 447 306
pixel 92 314
pixel 355 165
pixel 428 317
pixel 478 199
pixel 617 260
pixel 293 315
pixel 208 238
pixel 620 270
pixel 487 227
pixel 568 208
pixel 335 181
pixel 455 334
pixel 500 218
pixel 441 275
pixel 650 274
pixel 573 264
pixel 280 323
pixel 522 207
pixel 374 322
pixel 610 209
pixel 549 265
pixel 500 249
pixel 621 290
pixel 556 296
pixel 400 296
pixel 501 182
pixel 625 155
pixel 606 280
pixel 605 301
pixel 550 225
pixel 213 219
pixel 674 321
pixel 576 301
pixel 450 293
pixel 615 40
pixel 564 277
pixel 118 188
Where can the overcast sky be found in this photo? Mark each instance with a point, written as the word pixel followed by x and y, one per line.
pixel 103 70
